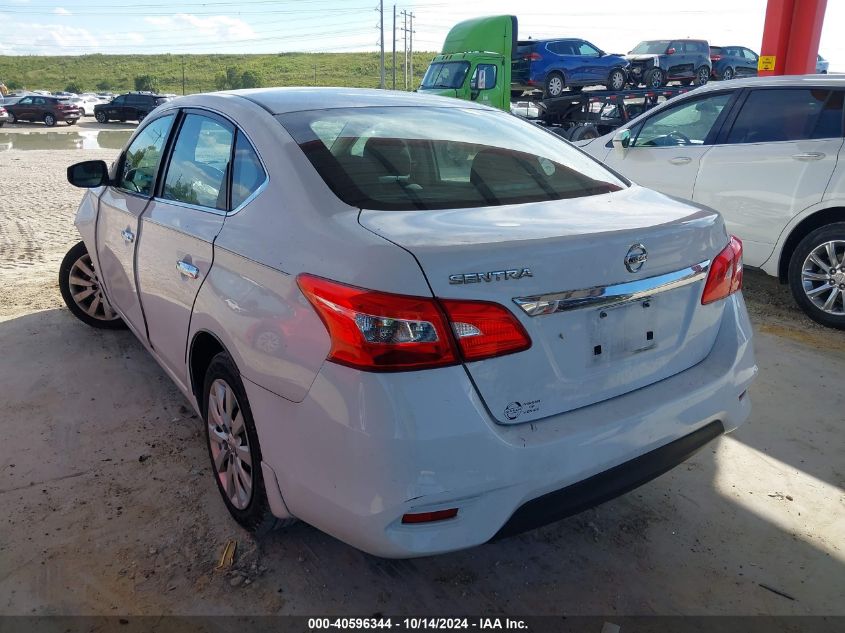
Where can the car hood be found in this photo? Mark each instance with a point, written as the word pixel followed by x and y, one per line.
pixel 640 58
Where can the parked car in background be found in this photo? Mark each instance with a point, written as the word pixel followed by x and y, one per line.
pixel 50 110
pixel 5 117
pixel 539 335
pixel 64 95
pixel 656 62
pixel 7 101
pixel 767 153
pixel 132 106
pixel 822 65
pixel 85 104
pixel 556 64
pixel 733 61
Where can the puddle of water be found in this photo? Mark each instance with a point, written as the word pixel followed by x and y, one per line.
pixel 85 139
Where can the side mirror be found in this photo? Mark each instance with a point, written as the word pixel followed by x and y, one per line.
pixel 622 139
pixel 670 51
pixel 88 174
pixel 473 93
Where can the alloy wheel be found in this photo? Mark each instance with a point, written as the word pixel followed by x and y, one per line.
pixel 823 277
pixel 229 442
pixel 617 80
pixel 86 291
pixel 728 74
pixel 555 86
pixel 703 75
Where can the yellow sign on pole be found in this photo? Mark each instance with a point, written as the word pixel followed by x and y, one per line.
pixel 766 62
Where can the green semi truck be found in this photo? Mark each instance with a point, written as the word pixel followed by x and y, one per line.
pixel 476 65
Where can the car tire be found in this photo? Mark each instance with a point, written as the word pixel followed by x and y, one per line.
pixel 616 80
pixel 815 281
pixel 233 447
pixel 702 75
pixel 77 275
pixel 584 132
pixel 49 119
pixel 13 118
pixel 2 123
pixel 728 74
pixel 554 85
pixel 101 117
pixel 654 78
pixel 141 116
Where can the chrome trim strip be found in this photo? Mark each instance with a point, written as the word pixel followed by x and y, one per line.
pixel 599 296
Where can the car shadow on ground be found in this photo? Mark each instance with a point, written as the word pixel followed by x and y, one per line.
pixel 111 505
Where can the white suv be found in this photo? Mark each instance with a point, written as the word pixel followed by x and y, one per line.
pixel 766 153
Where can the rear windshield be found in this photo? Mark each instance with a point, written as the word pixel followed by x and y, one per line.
pixel 408 158
pixel 445 75
pixel 715 50
pixel 654 47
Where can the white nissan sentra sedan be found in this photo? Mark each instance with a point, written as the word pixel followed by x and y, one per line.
pixel 413 322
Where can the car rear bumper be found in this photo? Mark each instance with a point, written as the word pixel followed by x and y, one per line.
pixel 363 449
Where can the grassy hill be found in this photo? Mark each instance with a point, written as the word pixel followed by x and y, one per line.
pixel 117 72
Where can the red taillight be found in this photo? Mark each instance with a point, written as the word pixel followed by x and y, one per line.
pixel 533 57
pixel 715 58
pixel 428 517
pixel 485 329
pixel 725 277
pixel 380 331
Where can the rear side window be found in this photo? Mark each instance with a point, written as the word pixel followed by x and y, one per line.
pixel 200 162
pixel 142 157
pixel 247 173
pixel 794 114
pixel 416 158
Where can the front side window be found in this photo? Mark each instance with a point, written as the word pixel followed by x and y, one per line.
pixel 141 160
pixel 792 114
pixel 484 77
pixel 587 50
pixel 445 75
pixel 25 101
pixel 685 124
pixel 199 164
pixel 118 100
pixel 418 158
pixel 247 173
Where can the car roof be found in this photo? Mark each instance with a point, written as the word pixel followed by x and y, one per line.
pixel 282 100
pixel 780 81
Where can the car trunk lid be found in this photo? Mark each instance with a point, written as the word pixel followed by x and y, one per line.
pixel 573 252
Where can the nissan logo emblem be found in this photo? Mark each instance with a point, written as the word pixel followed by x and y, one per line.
pixel 636 257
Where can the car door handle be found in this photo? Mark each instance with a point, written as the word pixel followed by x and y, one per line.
pixel 809 156
pixel 189 270
pixel 127 235
pixel 680 160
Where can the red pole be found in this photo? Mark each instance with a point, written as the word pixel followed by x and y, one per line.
pixel 804 36
pixel 791 37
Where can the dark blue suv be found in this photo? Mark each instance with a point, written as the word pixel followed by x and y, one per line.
pixel 553 65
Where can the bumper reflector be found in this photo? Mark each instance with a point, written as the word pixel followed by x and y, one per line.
pixel 430 517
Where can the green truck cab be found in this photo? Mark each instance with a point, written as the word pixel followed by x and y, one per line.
pixel 475 63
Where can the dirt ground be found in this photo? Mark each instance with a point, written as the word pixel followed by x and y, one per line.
pixel 109 506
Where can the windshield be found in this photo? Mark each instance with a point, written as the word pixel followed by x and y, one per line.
pixel 654 47
pixel 407 158
pixel 445 75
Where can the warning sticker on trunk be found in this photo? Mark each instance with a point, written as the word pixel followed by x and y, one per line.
pixel 516 409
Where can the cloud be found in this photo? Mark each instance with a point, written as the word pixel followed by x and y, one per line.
pixel 61 11
pixel 219 27
pixel 27 38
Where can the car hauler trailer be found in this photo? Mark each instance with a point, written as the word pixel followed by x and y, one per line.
pixel 475 64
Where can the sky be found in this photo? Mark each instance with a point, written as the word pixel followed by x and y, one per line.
pixel 42 27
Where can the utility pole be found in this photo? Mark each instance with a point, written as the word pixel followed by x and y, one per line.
pixel 405 46
pixel 411 47
pixel 315 74
pixel 393 64
pixel 381 42
pixel 183 75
